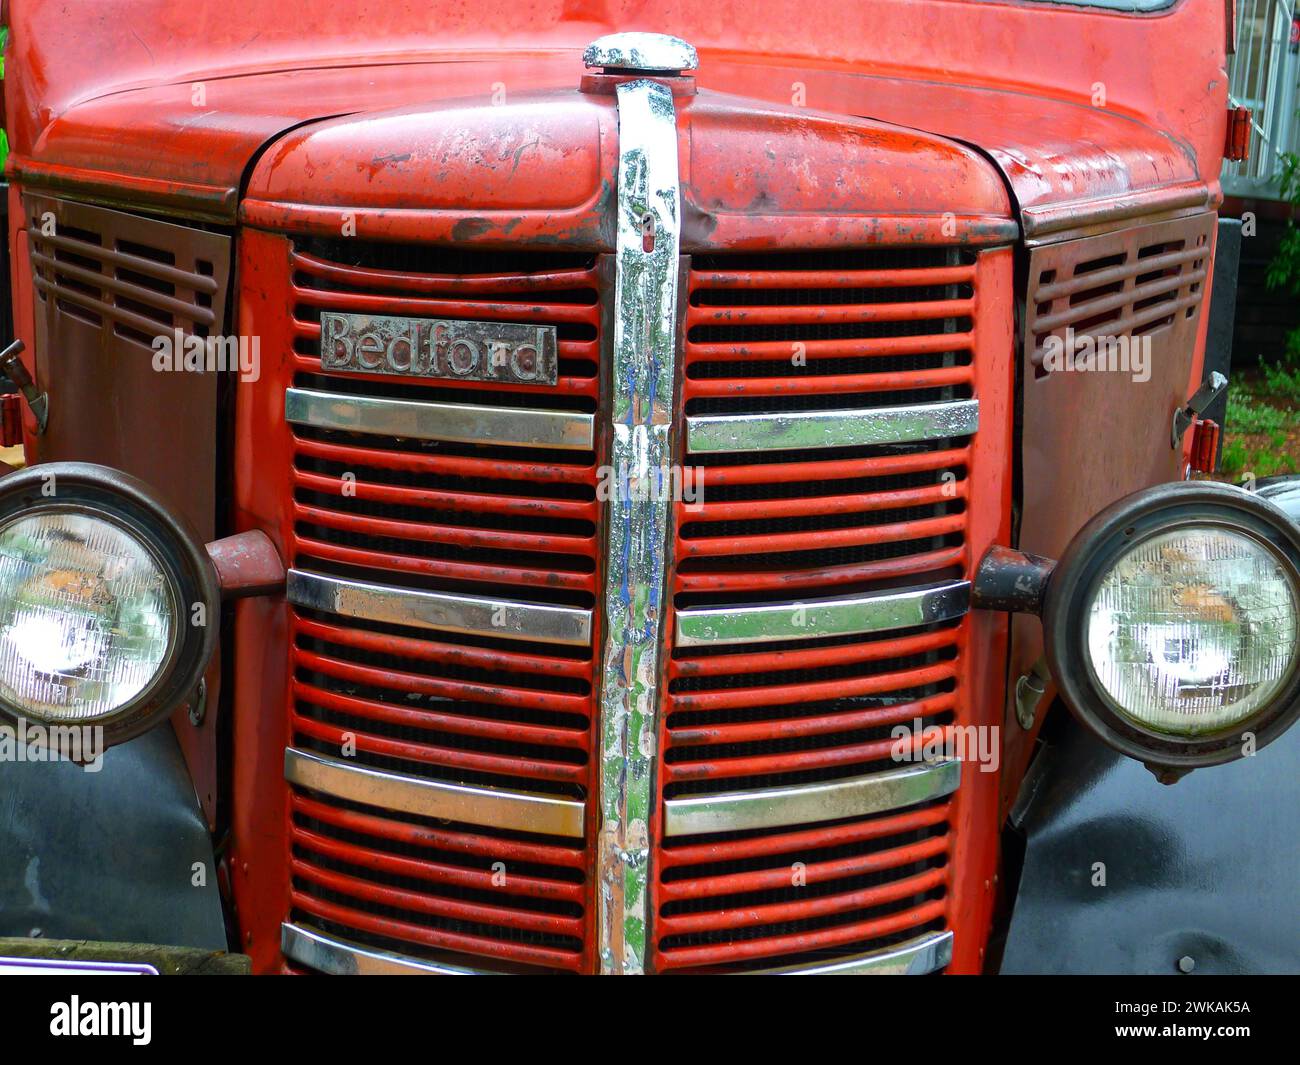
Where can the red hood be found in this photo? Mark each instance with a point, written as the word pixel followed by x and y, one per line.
pixel 539 167
pixel 161 107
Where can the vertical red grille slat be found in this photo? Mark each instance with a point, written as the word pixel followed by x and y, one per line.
pixel 828 905
pixel 521 524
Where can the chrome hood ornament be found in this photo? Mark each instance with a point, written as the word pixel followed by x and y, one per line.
pixel 649 53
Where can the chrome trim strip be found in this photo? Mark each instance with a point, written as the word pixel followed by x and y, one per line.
pixel 915 957
pixel 642 364
pixel 805 804
pixel 769 622
pixel 457 422
pixel 341 957
pixel 797 430
pixel 519 811
pixel 476 615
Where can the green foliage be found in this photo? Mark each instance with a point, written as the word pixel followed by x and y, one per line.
pixel 1233 459
pixel 1284 270
pixel 4 140
pixel 1283 378
pixel 1249 415
pixel 1238 459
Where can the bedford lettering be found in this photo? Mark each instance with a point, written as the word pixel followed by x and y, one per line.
pixel 502 352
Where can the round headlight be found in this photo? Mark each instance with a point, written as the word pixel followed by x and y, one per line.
pixel 1193 630
pixel 108 605
pixel 88 618
pixel 1173 624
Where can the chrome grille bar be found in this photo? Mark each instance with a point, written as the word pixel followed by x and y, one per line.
pixel 505 619
pixel 739 811
pixel 769 622
pixel 341 957
pixel 799 430
pixel 520 811
pixel 916 957
pixel 454 422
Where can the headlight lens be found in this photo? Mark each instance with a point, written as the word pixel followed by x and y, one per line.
pixel 88 617
pixel 1193 630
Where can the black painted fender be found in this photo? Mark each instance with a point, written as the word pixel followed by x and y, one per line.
pixel 1207 869
pixel 112 855
pixel 1283 492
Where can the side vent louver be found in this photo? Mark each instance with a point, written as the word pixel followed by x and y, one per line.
pixel 108 284
pixel 133 277
pixel 1104 291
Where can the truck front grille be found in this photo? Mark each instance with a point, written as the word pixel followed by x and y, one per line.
pixel 782 521
pixel 489 520
pixel 440 770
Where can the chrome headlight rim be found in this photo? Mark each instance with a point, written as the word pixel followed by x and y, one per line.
pixel 131 506
pixel 1095 550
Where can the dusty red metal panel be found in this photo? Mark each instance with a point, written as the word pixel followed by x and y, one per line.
pixel 258 858
pixel 780 177
pixel 975 857
pixel 1144 281
pixel 1069 163
pixel 1116 421
pixel 535 170
pixel 107 285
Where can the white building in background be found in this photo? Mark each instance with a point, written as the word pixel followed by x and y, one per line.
pixel 1264 75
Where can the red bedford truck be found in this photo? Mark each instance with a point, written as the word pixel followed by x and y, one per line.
pixel 562 490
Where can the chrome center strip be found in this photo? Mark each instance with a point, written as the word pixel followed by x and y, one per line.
pixel 805 804
pixel 519 811
pixel 916 957
pixel 769 622
pixel 645 319
pixel 796 430
pixel 341 957
pixel 456 422
pixel 475 615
